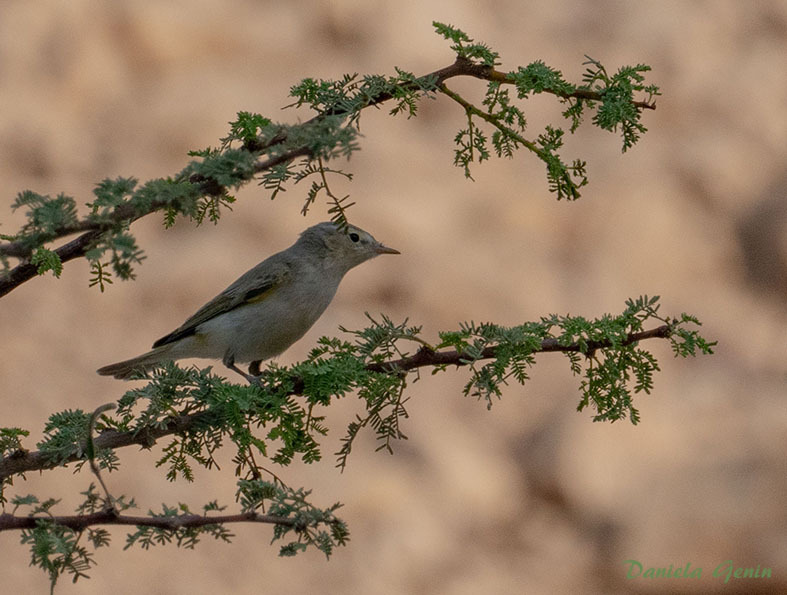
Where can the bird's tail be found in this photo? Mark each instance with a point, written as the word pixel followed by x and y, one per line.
pixel 146 361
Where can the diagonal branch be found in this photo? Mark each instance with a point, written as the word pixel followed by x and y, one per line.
pixel 22 461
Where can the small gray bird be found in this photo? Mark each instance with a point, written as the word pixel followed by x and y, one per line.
pixel 268 308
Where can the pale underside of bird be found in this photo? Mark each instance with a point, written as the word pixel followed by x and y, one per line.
pixel 269 307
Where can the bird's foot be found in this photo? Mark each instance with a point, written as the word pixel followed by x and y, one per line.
pixel 252 377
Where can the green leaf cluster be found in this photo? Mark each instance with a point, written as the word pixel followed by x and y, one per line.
pixel 59 550
pixel 612 97
pixel 226 412
pixel 351 94
pixel 464 47
pixel 46 216
pixel 617 107
pixel 313 527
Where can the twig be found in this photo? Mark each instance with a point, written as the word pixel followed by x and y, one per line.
pixel 91 452
pixel 471 109
pixel 126 212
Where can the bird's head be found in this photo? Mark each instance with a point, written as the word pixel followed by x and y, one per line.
pixel 345 247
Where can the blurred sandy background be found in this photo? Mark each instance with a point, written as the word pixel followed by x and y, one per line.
pixel 530 497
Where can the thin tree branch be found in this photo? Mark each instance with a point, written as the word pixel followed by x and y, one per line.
pixel 9 522
pixel 427 357
pixel 586 94
pixel 470 108
pixel 23 461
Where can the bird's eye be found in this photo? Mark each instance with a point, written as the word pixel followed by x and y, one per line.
pixel 354 237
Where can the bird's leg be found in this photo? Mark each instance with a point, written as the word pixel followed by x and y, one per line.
pixel 229 361
pixel 254 368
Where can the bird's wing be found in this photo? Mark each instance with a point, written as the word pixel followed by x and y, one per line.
pixel 253 286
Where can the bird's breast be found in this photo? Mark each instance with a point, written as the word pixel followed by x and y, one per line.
pixel 264 329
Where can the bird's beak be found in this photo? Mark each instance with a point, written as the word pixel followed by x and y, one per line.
pixel 383 249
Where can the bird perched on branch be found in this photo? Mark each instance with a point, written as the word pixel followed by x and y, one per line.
pixel 268 308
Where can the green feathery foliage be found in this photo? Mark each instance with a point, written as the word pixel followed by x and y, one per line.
pixel 200 416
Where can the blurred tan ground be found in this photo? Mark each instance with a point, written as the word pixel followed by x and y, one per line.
pixel 530 497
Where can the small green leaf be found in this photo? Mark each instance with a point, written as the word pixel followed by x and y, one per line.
pixel 47 260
